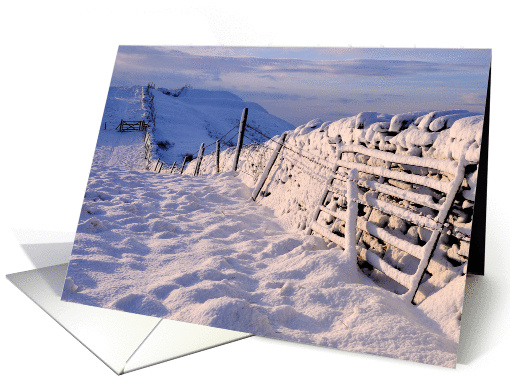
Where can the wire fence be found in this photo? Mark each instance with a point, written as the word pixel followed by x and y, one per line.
pixel 255 152
pixel 289 153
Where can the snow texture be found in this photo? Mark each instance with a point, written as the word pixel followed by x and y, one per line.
pixel 198 249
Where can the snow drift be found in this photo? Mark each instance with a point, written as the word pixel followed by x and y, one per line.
pixel 197 249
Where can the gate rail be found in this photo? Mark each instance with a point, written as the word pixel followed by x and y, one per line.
pixel 132 126
pixel 390 200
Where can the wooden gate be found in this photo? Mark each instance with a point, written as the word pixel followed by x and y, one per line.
pixel 132 126
pixel 385 183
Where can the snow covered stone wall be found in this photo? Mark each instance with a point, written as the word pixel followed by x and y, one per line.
pixel 298 177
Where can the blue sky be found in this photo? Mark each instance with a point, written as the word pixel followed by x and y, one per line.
pixel 300 84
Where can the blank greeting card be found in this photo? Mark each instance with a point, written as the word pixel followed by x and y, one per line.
pixel 320 195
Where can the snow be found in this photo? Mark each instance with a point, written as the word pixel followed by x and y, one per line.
pixel 198 249
pixel 445 306
pixel 121 150
pixel 201 116
pixel 402 121
pixel 267 169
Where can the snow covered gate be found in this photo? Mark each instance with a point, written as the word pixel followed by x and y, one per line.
pixel 385 188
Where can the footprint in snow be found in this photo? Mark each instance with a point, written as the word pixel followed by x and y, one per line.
pixel 273 284
pixel 162 291
pixel 138 227
pixel 137 266
pixel 138 303
pixel 92 225
pixel 189 279
pixel 161 225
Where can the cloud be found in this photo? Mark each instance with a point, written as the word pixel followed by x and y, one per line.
pixel 275 96
pixel 268 76
pixel 305 83
pixel 209 67
pixel 474 99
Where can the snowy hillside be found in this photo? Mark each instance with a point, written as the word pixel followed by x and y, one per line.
pixel 188 117
pixel 198 249
pixel 185 118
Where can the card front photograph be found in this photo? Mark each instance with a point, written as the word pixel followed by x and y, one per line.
pixel 323 196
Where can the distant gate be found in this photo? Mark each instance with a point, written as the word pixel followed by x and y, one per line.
pixel 132 126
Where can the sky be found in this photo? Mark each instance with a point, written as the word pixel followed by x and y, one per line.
pixel 301 84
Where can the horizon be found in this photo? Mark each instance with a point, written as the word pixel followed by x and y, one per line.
pixel 302 84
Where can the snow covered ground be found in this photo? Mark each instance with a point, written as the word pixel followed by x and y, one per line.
pixel 197 249
pixel 115 150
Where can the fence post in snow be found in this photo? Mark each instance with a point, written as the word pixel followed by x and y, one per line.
pixel 156 166
pixel 173 166
pixel 352 216
pixel 183 163
pixel 160 167
pixel 217 156
pixel 242 126
pixel 199 159
pixel 269 165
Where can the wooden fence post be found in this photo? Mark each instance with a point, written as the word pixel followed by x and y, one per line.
pixel 269 165
pixel 352 216
pixel 242 126
pixel 156 166
pixel 172 169
pixel 199 159
pixel 217 156
pixel 183 163
pixel 160 167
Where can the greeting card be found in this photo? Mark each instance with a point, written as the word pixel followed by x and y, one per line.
pixel 327 196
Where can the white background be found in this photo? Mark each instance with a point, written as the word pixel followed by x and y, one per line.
pixel 56 64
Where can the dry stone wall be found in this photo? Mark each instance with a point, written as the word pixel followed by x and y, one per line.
pixel 297 179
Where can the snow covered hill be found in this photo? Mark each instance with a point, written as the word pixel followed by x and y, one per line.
pixel 187 117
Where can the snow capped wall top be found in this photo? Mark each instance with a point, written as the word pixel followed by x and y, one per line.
pixel 401 121
pixel 368 118
pixel 436 134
